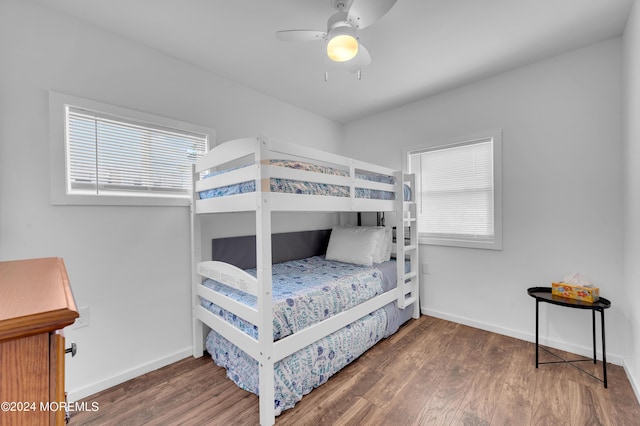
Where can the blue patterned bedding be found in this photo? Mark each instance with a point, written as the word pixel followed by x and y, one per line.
pixel 307 188
pixel 301 372
pixel 305 292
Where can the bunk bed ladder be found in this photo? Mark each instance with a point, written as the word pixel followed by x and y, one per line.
pixel 407 248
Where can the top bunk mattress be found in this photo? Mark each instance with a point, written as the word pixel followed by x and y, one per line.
pixel 232 176
pixel 293 186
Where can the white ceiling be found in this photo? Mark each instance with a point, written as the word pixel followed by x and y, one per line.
pixel 419 48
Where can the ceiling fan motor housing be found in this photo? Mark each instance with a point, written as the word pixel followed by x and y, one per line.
pixel 341 5
pixel 337 20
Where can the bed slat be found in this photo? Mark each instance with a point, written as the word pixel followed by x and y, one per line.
pixel 226 152
pixel 229 275
pixel 368 167
pixel 308 153
pixel 306 176
pixel 369 184
pixel 243 311
pixel 243 174
pixel 302 202
pixel 367 205
pixel 232 203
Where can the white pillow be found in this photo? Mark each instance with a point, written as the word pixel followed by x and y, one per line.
pixel 353 244
pixel 388 243
pixel 380 252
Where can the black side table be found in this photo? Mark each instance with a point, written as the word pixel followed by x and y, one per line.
pixel 543 294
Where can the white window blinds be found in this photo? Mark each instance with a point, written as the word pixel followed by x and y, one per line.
pixel 455 186
pixel 108 155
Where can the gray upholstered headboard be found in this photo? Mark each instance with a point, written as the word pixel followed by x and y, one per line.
pixel 241 251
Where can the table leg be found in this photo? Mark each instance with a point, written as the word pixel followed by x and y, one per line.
pixel 593 323
pixel 604 352
pixel 537 303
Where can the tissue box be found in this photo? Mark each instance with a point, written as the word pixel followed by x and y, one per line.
pixel 586 294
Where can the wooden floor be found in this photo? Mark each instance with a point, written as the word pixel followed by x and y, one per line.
pixel 432 372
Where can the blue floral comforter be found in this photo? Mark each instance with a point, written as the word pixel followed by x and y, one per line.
pixel 301 372
pixel 305 292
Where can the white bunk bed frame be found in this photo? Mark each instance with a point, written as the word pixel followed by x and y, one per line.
pixel 263 203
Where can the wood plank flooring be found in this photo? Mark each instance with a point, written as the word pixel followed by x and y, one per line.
pixel 432 372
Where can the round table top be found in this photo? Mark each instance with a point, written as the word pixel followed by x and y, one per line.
pixel 544 294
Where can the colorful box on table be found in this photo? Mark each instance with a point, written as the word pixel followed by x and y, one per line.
pixel 586 294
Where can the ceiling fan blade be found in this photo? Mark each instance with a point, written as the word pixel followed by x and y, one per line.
pixel 365 12
pixel 361 60
pixel 300 35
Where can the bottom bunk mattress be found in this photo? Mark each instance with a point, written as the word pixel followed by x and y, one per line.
pixel 295 284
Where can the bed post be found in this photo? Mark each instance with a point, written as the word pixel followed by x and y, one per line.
pixel 400 252
pixel 197 331
pixel 265 306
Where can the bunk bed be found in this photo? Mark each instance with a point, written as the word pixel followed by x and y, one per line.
pixel 305 340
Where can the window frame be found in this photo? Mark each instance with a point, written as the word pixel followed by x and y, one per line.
pixel 58 152
pixel 496 137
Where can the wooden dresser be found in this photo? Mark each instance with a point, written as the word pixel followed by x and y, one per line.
pixel 36 303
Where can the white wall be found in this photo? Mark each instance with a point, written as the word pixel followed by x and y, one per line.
pixel 129 265
pixel 563 204
pixel 562 192
pixel 632 192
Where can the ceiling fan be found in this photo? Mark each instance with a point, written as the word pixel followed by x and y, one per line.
pixel 341 36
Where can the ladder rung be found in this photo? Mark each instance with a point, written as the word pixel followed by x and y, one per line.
pixel 410 287
pixel 410 275
pixel 410 248
pixel 408 301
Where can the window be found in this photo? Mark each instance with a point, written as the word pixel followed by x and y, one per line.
pixel 111 155
pixel 459 189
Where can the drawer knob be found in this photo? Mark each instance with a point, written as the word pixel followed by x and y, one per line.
pixel 72 350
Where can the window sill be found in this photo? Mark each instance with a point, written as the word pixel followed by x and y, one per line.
pixel 495 245
pixel 118 200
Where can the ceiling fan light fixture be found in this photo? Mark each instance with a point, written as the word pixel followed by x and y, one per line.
pixel 343 44
pixel 341 37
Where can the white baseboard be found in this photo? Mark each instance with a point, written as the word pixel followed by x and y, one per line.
pixel 528 337
pixel 634 384
pixel 78 394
